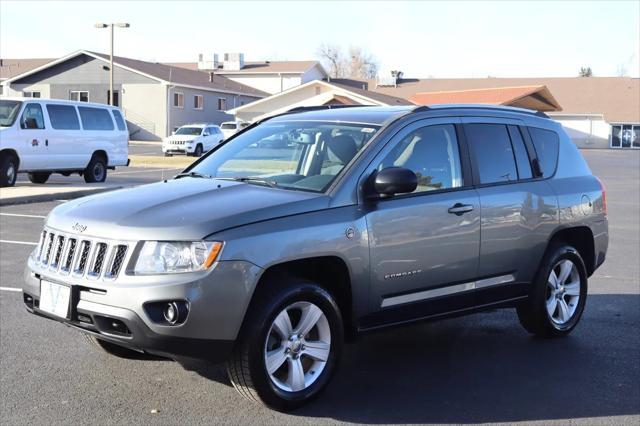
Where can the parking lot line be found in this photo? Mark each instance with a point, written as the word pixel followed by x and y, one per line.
pixel 11 289
pixel 26 243
pixel 23 215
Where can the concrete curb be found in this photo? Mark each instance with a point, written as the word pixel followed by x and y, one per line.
pixel 155 143
pixel 40 198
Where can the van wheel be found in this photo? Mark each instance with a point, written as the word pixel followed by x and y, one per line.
pixel 558 295
pixel 8 170
pixel 96 171
pixel 198 151
pixel 289 345
pixel 39 177
pixel 111 348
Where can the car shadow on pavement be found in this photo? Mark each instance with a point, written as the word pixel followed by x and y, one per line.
pixel 486 368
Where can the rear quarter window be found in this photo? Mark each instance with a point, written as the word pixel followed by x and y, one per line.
pixel 95 118
pixel 63 117
pixel 546 144
pixel 119 120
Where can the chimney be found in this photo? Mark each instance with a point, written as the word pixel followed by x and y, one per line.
pixel 210 76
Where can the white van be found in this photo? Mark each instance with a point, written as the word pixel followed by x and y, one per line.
pixel 44 136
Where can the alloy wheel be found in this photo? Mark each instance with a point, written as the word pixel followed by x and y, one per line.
pixel 295 356
pixel 563 292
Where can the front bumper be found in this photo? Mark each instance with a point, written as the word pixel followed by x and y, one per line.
pixel 178 149
pixel 119 312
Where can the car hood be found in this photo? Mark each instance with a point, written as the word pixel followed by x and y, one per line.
pixel 179 209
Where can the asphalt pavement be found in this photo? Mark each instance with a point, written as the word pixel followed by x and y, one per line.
pixel 477 369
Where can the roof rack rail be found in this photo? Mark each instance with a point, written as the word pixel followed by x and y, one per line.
pixel 321 107
pixel 423 108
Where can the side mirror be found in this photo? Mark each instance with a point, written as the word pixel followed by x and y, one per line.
pixel 394 180
pixel 30 123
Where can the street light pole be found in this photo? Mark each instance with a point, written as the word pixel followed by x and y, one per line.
pixel 120 25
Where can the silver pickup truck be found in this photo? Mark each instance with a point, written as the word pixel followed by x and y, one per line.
pixel 269 257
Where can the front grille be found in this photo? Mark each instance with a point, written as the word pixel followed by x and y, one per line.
pixel 63 253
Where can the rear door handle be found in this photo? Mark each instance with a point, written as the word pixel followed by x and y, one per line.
pixel 459 209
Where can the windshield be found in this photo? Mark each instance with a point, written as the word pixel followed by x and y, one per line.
pixel 8 112
pixel 293 155
pixel 191 131
pixel 228 126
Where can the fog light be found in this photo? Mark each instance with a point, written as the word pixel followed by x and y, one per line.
pixel 171 313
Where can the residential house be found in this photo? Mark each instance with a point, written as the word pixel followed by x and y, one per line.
pixel 155 98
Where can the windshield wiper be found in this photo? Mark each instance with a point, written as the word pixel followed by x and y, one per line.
pixel 193 175
pixel 253 180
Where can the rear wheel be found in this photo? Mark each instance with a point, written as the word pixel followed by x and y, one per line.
pixel 558 295
pixel 39 177
pixel 8 170
pixel 96 171
pixel 166 154
pixel 289 346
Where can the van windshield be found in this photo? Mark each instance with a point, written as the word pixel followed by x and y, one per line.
pixel 8 112
pixel 190 131
pixel 298 155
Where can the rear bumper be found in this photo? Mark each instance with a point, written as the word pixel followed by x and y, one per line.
pixel 98 320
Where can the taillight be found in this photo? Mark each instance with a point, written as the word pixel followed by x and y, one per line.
pixel 604 196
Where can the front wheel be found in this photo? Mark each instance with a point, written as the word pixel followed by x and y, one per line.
pixel 8 170
pixel 39 177
pixel 289 346
pixel 558 295
pixel 198 151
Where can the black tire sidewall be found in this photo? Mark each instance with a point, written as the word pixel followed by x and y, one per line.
pixel 90 177
pixel 268 391
pixel 558 254
pixel 39 177
pixel 198 151
pixel 5 162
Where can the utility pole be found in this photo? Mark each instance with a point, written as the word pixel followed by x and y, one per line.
pixel 111 26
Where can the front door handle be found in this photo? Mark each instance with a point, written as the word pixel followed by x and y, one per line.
pixel 459 209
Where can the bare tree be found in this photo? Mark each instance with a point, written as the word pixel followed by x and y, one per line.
pixel 331 56
pixel 356 63
pixel 585 72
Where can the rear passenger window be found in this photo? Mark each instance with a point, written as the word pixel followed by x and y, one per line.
pixel 522 158
pixel 119 120
pixel 95 118
pixel 432 154
pixel 491 148
pixel 63 117
pixel 546 145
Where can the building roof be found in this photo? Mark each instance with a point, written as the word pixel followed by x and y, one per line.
pixel 377 96
pixel 160 72
pixel 263 67
pixel 531 97
pixel 13 67
pixel 616 98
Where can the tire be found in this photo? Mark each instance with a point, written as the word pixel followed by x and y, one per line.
pixel 247 368
pixel 8 170
pixel 198 151
pixel 111 348
pixel 558 294
pixel 168 155
pixel 39 177
pixel 96 171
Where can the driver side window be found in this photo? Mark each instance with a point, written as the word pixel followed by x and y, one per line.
pixel 32 117
pixel 432 154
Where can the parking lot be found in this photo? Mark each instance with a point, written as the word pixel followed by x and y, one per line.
pixel 478 369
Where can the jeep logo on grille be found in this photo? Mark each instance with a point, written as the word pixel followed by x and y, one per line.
pixel 79 228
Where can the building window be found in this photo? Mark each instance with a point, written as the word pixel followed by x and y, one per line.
pixel 198 102
pixel 178 100
pixel 31 94
pixel 79 95
pixel 222 104
pixel 625 136
pixel 116 98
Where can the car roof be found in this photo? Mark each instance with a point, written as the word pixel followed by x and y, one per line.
pixel 58 101
pixel 377 115
pixel 199 125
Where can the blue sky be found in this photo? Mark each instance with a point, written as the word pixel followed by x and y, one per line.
pixel 422 38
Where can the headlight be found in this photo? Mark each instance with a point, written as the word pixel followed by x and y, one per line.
pixel 167 257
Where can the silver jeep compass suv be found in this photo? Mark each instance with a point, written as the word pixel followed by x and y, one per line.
pixel 270 256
